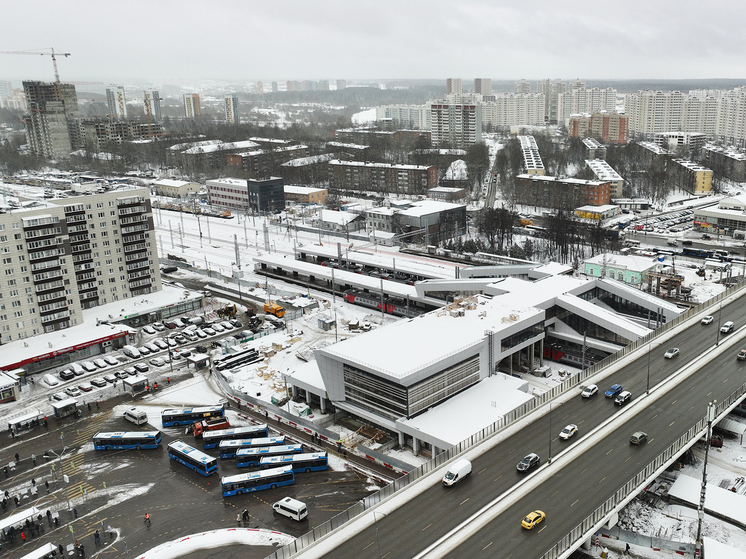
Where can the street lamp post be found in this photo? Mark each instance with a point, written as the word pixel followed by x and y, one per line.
pixel 375 521
pixel 650 348
pixel 717 334
pixel 550 433
pixel 701 509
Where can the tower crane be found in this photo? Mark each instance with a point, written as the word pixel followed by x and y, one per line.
pixel 42 52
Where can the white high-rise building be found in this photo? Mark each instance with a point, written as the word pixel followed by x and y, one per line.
pixel 523 86
pixel 483 86
pixel 581 100
pixel 409 116
pixel 232 115
pixel 551 90
pixel 116 101
pixel 152 100
pixel 454 86
pixel 514 109
pixel 457 125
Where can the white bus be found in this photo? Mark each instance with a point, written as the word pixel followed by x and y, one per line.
pixel 632 243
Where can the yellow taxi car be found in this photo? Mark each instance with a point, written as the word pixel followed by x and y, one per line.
pixel 532 519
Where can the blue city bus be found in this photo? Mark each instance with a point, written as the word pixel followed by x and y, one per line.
pixel 192 458
pixel 310 462
pixel 257 481
pixel 228 448
pixel 122 440
pixel 249 457
pixel 211 439
pixel 187 416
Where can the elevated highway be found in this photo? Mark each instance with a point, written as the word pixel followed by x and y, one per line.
pixel 481 516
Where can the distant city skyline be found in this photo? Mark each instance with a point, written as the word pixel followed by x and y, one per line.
pixel 301 39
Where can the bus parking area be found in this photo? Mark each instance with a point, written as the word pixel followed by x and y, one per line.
pixel 99 498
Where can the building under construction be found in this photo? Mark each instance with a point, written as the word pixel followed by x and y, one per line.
pixel 51 124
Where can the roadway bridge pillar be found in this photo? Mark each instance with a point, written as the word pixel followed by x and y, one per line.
pixel 322 403
pixel 415 446
pixel 402 440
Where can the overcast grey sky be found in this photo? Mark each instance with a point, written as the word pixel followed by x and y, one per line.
pixel 308 39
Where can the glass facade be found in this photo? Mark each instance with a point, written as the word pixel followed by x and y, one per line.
pixel 393 401
pixel 520 337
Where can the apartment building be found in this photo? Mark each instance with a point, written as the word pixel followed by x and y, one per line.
pixel 531 156
pixel 673 141
pixel 116 102
pixel 231 109
pixel 514 109
pixel 595 149
pixel 454 86
pixel 608 127
pixel 408 116
pixel 99 132
pixel 191 105
pixel 561 193
pixel 65 255
pixel 605 173
pixel 457 125
pixel 483 86
pixel 152 105
pixel 728 162
pixel 692 177
pixel 551 89
pixel 262 163
pixel 581 100
pixel 523 86
pixel 51 128
pixel 361 176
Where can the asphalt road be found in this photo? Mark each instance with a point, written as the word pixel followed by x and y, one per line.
pixel 577 487
pixel 108 488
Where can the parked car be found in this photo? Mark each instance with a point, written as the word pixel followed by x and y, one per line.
pixel 67 374
pixel 638 437
pixel 100 363
pixel 533 519
pixel 590 390
pixel 122 374
pixel 110 378
pixel 568 431
pixel 50 380
pixel 209 331
pixel 86 386
pixel 200 334
pixel 236 323
pixel 192 337
pixel 72 391
pixel 623 398
pixel 99 382
pixel 707 319
pixel 217 328
pixel 157 362
pixel 158 327
pixel 149 330
pixel 130 371
pixel 143 350
pixel 614 390
pixel 60 396
pixel 142 367
pixel 180 339
pixel 528 462
pixel 160 343
pixel 200 349
pixel 111 360
pixel 227 325
pixel 88 366
pixel 671 353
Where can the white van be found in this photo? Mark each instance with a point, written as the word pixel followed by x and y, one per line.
pixel 291 508
pixel 458 471
pixel 131 351
pixel 136 416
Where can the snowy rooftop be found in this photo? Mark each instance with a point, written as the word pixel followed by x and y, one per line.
pixel 301 161
pixel 180 147
pixel 269 140
pixel 415 344
pixel 293 189
pixel 691 165
pixel 446 189
pixel 170 182
pixel 603 170
pixel 339 218
pixel 726 151
pixel 379 165
pixel 553 269
pixel 656 149
pixel 627 262
pixel 275 150
pixel 230 181
pixel 211 148
pixel 592 143
pixel 567 180
pixel 600 209
pixel 426 207
pixel 342 145
pixel 477 408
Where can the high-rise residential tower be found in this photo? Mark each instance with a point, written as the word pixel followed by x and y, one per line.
pixel 231 109
pixel 191 105
pixel 51 126
pixel 116 101
pixel 483 86
pixel 454 86
pixel 152 100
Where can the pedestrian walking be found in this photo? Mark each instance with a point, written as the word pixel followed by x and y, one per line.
pixel 89 406
pixel 46 423
pixel 18 457
pixel 245 515
pixel 96 538
pixel 33 482
pixel 7 495
pixel 61 550
pixel 49 516
pixel 57 520
pixel 5 471
pixel 82 550
pixel 46 484
pixel 75 512
pixel 238 518
pixel 168 380
pixel 23 537
pixel 33 459
pixel 626 549
pixel 96 404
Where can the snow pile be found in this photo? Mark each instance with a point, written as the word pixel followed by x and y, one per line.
pixel 216 538
pixel 457 171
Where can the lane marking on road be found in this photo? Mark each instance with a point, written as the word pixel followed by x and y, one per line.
pixel 656 415
pixel 367 546
pixel 486 546
pixel 462 502
pixel 628 459
pixel 576 500
pixel 426 527
pixel 674 421
pixel 480 471
pixel 610 451
pixel 672 403
pixel 540 531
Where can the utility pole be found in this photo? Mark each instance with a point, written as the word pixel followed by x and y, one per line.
pixel 701 508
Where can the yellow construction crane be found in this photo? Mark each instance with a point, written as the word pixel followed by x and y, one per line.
pixel 40 52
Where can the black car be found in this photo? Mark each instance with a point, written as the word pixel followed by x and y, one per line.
pixel 528 462
pixel 200 349
pixel 236 323
pixel 67 374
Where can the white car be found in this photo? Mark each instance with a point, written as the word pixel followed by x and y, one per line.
pixel 157 362
pixel 160 343
pixel 158 326
pixel 149 330
pixel 671 353
pixel 590 390
pixel 49 380
pixel 111 360
pixel 568 431
pixel 88 366
pixel 707 320
pixel 72 391
pixel 100 363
